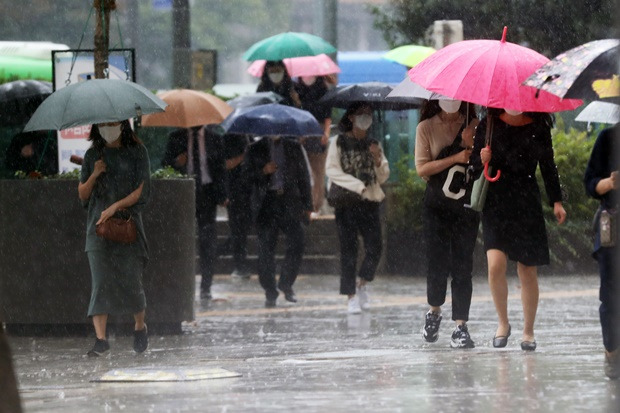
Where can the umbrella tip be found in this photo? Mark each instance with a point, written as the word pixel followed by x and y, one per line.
pixel 504 34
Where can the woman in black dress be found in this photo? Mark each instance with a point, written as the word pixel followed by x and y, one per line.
pixel 512 218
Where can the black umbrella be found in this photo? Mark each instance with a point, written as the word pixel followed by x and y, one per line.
pixel 272 119
pixel 19 100
pixel 589 72
pixel 256 99
pixel 373 93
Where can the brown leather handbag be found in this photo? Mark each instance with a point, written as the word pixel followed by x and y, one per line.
pixel 119 230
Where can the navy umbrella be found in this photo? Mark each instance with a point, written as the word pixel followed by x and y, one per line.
pixel 255 99
pixel 272 119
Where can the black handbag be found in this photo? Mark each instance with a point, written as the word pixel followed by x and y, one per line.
pixel 339 197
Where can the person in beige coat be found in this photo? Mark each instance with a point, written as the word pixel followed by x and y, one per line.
pixel 358 164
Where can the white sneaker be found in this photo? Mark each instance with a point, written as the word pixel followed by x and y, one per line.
pixel 354 305
pixel 364 298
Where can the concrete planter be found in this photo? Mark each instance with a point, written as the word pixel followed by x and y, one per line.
pixel 45 277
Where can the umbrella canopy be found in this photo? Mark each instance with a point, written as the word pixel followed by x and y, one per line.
pixel 94 101
pixel 407 88
pixel 17 67
pixel 573 74
pixel 255 99
pixel 187 108
pixel 373 93
pixel 319 65
pixel 488 73
pixel 272 119
pixel 289 44
pixel 409 55
pixel 601 112
pixel 19 100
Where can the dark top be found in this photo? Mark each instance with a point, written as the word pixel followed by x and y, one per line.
pixel 283 89
pixel 601 165
pixel 126 169
pixel 214 148
pixel 45 150
pixel 512 216
pixel 310 95
pixel 297 190
pixel 238 184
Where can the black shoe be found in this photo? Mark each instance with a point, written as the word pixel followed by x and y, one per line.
pixel 502 341
pixel 205 295
pixel 99 349
pixel 612 365
pixel 270 303
pixel 290 296
pixel 461 338
pixel 528 345
pixel 140 340
pixel 430 332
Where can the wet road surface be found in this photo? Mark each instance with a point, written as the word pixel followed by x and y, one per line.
pixel 316 358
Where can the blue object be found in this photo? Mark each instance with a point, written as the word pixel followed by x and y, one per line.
pixel 360 67
pixel 272 120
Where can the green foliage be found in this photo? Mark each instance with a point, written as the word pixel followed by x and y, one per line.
pixel 167 172
pixel 406 199
pixel 544 25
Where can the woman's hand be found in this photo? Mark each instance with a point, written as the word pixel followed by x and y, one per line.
pixel 463 156
pixel 100 167
pixel 180 160
pixel 469 132
pixel 485 155
pixel 107 213
pixel 376 152
pixel 559 212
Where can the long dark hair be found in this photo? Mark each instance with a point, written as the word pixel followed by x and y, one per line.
pixel 345 123
pixel 128 136
pixel 266 85
pixel 431 107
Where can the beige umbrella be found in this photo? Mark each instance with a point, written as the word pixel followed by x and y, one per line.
pixel 188 108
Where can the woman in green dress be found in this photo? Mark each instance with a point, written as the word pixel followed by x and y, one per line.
pixel 115 181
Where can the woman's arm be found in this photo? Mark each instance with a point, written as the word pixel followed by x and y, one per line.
pixel 129 201
pixel 85 189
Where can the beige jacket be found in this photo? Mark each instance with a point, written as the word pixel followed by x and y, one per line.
pixel 334 172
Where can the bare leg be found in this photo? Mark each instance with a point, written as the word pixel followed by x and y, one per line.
pixel 100 321
pixel 139 319
pixel 497 263
pixel 529 298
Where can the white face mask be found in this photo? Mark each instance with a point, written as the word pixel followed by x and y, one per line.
pixel 512 112
pixel 110 133
pixel 308 80
pixel 276 77
pixel 449 106
pixel 362 122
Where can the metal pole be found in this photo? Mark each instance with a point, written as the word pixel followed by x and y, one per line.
pixel 330 21
pixel 181 53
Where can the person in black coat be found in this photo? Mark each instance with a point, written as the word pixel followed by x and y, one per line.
pixel 33 151
pixel 276 79
pixel 281 200
pixel 601 181
pixel 206 163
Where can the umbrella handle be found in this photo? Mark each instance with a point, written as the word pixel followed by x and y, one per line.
pixel 486 173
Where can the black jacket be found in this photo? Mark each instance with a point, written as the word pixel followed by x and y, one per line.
pixel 297 189
pixel 177 145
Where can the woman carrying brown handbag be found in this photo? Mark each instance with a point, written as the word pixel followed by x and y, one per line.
pixel 115 181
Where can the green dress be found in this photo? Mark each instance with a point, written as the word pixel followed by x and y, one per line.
pixel 116 269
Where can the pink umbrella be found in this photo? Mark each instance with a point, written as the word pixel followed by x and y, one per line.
pixel 488 73
pixel 319 65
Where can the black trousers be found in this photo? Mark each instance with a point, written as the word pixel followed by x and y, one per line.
pixel 450 241
pixel 206 210
pixel 609 295
pixel 274 219
pixel 239 222
pixel 362 219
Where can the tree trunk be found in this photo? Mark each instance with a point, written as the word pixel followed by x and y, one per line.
pixel 181 53
pixel 102 35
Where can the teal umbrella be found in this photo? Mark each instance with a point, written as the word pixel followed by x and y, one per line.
pixel 286 45
pixel 94 101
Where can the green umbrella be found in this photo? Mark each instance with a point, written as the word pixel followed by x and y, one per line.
pixel 409 55
pixel 14 67
pixel 94 101
pixel 289 44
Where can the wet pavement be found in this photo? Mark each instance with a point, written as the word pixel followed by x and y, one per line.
pixel 316 358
